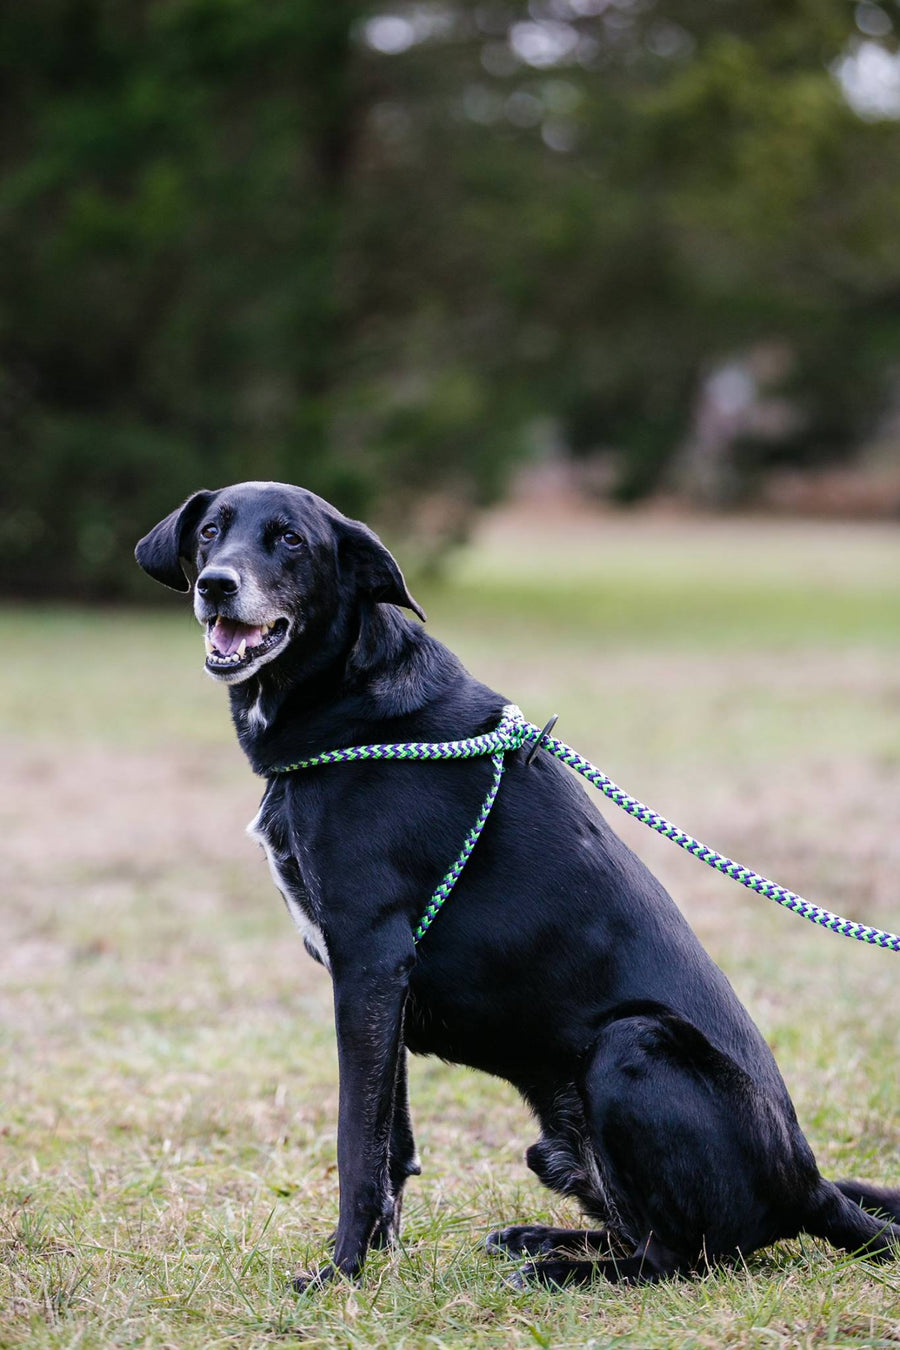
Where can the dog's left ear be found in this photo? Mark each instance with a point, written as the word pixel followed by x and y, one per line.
pixel 160 552
pixel 374 567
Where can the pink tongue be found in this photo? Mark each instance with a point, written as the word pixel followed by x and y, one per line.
pixel 227 633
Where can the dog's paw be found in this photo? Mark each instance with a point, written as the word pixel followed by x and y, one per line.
pixel 555 1274
pixel 524 1240
pixel 517 1240
pixel 314 1279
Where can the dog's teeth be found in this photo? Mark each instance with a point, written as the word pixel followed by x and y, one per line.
pixel 209 646
pixel 241 649
pixel 265 628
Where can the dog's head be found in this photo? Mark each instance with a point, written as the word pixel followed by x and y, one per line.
pixel 270 565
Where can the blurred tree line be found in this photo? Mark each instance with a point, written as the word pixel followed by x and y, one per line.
pixel 376 249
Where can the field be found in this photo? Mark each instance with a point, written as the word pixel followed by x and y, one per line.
pixel 168 1078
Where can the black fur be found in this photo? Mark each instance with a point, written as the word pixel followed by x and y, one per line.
pixel 559 963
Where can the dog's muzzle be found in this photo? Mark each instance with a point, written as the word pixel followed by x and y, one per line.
pixel 234 649
pixel 238 639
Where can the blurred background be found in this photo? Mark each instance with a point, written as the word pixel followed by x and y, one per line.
pixel 407 253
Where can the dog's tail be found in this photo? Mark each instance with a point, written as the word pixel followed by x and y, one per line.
pixel 877 1199
pixel 857 1217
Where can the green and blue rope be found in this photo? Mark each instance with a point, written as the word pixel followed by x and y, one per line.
pixel 511 733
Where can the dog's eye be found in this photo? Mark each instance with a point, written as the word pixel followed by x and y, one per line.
pixel 291 538
pixel 209 531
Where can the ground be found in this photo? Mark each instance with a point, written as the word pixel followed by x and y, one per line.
pixel 168 1081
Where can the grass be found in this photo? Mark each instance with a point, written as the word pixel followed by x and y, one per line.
pixel 168 1081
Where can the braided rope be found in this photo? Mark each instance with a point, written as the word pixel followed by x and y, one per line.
pixel 752 880
pixel 510 734
pixel 446 886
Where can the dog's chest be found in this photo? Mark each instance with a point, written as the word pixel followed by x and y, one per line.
pixel 285 870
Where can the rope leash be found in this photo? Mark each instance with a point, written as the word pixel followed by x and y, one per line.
pixel 510 734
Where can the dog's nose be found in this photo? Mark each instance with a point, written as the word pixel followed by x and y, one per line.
pixel 218 583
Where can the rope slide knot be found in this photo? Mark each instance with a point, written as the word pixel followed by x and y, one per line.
pixel 511 733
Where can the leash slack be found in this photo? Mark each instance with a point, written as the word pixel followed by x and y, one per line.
pixel 511 734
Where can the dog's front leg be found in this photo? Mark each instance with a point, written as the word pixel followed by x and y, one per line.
pixel 403 1158
pixel 368 1005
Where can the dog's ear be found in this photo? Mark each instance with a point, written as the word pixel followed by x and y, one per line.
pixel 373 567
pixel 160 552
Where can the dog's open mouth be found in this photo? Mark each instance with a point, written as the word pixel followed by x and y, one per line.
pixel 231 645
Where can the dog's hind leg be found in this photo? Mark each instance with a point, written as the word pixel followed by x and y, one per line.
pixel 564 1160
pixel 538 1240
pixel 650 1262
pixel 697 1161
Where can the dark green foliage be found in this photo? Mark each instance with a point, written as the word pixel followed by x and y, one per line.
pixel 169 222
pixel 238 240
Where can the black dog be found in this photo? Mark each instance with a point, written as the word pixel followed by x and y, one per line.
pixel 559 963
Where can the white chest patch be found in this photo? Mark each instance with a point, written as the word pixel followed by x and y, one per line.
pixel 309 930
pixel 256 720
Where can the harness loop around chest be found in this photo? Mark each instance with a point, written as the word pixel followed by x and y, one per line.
pixel 510 734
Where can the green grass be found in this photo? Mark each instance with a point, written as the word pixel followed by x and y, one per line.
pixel 168 1081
